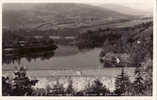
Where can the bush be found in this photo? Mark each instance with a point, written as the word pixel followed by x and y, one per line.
pixel 21 84
pixel 97 89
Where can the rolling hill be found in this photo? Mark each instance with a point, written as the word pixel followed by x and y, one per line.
pixel 56 16
pixel 126 10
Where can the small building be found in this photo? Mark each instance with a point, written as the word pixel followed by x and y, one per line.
pixel 117 59
pixel 22 43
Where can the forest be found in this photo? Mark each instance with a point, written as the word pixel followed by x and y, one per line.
pixel 135 41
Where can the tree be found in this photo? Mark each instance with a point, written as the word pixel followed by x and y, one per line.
pixel 70 90
pixel 143 80
pixel 22 85
pixel 122 84
pixel 97 89
pixel 56 90
pixel 148 69
pixel 138 85
pixel 39 92
pixel 6 86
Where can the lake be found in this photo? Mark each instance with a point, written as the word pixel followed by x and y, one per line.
pixel 65 57
pixel 68 61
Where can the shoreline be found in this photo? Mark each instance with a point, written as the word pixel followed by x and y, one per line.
pixel 105 72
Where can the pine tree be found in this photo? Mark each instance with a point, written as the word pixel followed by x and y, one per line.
pixel 22 84
pixel 58 89
pixel 122 84
pixel 97 89
pixel 6 86
pixel 138 85
pixel 70 90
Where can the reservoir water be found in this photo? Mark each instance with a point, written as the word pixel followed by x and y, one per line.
pixel 67 61
pixel 65 57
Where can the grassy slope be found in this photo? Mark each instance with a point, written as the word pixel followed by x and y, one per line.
pixel 52 16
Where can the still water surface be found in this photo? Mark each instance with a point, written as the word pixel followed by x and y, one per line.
pixel 65 57
pixel 67 61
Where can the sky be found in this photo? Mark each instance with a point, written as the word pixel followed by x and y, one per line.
pixel 145 5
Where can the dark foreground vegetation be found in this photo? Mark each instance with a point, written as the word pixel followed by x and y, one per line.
pixel 22 85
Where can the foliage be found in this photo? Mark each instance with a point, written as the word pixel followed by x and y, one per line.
pixel 39 92
pixel 58 89
pixel 112 37
pixel 97 89
pixel 12 38
pixel 122 84
pixel 21 85
pixel 138 85
pixel 145 73
pixel 141 86
pixel 136 42
pixel 6 86
pixel 70 90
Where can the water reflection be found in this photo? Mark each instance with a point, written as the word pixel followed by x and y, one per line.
pixel 64 57
pixel 29 56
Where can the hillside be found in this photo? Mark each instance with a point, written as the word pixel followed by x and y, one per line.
pixel 56 16
pixel 115 37
pixel 125 10
pixel 137 44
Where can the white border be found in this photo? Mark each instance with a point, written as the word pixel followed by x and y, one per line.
pixel 155 50
pixel 154 97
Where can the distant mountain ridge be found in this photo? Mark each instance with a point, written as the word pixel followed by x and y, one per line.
pixel 125 10
pixel 56 16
